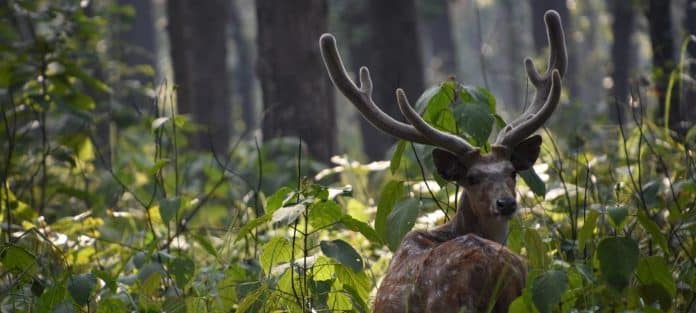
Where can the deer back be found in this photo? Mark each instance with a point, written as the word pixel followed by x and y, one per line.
pixel 464 274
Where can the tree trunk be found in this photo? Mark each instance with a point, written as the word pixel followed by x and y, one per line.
pixel 664 62
pixel 436 21
pixel 139 38
pixel 512 51
pixel 395 62
pixel 689 85
pixel 622 29
pixel 244 77
pixel 198 49
pixel 297 94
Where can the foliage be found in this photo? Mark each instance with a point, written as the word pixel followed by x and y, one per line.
pixel 135 222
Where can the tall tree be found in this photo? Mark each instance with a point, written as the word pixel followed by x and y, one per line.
pixel 663 57
pixel 198 50
pixel 690 86
pixel 622 31
pixel 297 94
pixel 435 16
pixel 244 76
pixel 138 38
pixel 395 62
pixel 514 42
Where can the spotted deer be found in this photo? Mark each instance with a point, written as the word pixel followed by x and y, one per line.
pixel 463 265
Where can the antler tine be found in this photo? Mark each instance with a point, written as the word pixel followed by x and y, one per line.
pixel 361 96
pixel 548 86
pixel 439 138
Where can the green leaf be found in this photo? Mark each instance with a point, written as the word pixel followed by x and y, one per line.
pixel 182 268
pixel 655 234
pixel 438 111
pixel 536 250
pixel 81 102
pixel 342 252
pixel 654 270
pixel 618 214
pixel 587 229
pixel 396 157
pixel 357 281
pixel 51 298
pixel 149 277
pixel 535 183
pixel 111 305
pixel 547 289
pixel 618 257
pixel 391 193
pixel 251 299
pixel 81 287
pixel 361 227
pixel 324 213
pixel 277 250
pixel 251 225
pixel 206 244
pixel 278 199
pixel 475 114
pixel 401 220
pixel 18 259
pixel 168 208
pixel 109 280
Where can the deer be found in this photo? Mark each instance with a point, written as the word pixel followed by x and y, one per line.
pixel 462 265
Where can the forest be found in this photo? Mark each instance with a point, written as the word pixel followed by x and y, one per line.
pixel 213 155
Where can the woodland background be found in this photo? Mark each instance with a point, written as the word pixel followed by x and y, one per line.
pixel 194 156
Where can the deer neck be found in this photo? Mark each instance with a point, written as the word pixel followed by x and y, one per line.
pixel 489 227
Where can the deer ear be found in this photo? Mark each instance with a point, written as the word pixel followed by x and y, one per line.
pixel 448 165
pixel 525 154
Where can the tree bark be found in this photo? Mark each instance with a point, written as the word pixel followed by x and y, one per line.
pixel 512 51
pixel 244 76
pixel 198 50
pixel 664 61
pixel 622 30
pixel 395 62
pixel 438 27
pixel 297 94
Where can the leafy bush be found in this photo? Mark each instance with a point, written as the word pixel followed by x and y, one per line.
pixel 140 224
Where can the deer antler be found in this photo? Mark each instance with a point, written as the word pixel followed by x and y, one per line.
pixel 548 87
pixel 418 131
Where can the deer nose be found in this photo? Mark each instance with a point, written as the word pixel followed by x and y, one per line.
pixel 506 206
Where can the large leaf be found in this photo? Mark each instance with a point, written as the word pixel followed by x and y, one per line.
pixel 182 268
pixel 278 199
pixel 289 214
pixel 168 208
pixel 396 157
pixel 391 193
pixel 81 287
pixel 400 220
pixel 618 257
pixel 475 114
pixel 618 214
pixel 547 289
pixel 361 227
pixel 324 213
pixel 654 270
pixel 277 250
pixel 342 252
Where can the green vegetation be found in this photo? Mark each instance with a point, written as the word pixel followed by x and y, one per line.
pixel 608 221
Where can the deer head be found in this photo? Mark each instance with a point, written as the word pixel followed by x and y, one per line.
pixel 489 179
